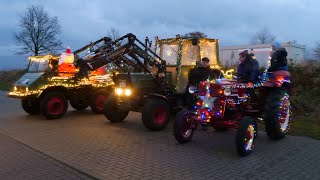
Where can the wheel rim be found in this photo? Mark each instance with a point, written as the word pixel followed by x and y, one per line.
pixel 284 114
pixel 186 129
pixel 249 137
pixel 55 105
pixel 159 115
pixel 99 103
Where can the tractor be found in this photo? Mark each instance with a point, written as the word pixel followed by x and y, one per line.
pixel 158 80
pixel 48 86
pixel 227 103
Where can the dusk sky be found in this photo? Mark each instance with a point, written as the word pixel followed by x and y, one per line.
pixel 233 22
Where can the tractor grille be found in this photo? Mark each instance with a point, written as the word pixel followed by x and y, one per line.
pixel 215 90
pixel 218 106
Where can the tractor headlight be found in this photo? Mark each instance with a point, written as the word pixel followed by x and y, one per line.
pixel 119 91
pixel 127 92
pixel 192 89
pixel 122 91
pixel 227 92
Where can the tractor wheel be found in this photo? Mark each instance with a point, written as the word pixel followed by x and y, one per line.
pixel 53 105
pixel 79 104
pixel 97 101
pixel 182 128
pixel 277 113
pixel 31 106
pixel 246 135
pixel 112 112
pixel 155 114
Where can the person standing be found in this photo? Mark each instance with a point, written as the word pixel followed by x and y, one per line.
pixel 278 60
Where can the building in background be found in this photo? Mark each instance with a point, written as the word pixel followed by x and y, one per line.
pixel 229 55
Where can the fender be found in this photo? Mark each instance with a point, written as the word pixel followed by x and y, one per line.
pixel 156 95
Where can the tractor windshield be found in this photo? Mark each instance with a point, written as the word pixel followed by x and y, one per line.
pixel 168 52
pixel 40 63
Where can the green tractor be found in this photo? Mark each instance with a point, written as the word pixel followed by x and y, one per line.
pixel 159 85
pixel 48 86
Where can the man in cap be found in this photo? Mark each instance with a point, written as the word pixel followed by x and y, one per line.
pixel 203 72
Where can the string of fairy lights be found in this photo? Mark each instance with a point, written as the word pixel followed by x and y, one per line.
pixel 63 79
pixel 61 82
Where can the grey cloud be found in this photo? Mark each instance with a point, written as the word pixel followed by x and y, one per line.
pixel 231 21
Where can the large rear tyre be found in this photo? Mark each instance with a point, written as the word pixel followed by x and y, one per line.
pixel 97 101
pixel 155 114
pixel 112 111
pixel 53 105
pixel 182 128
pixel 246 135
pixel 277 113
pixel 31 106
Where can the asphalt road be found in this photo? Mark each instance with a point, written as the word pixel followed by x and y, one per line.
pixel 82 145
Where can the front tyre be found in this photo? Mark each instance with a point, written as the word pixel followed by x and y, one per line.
pixel 277 113
pixel 155 114
pixel 31 106
pixel 53 105
pixel 246 135
pixel 182 128
pixel 112 110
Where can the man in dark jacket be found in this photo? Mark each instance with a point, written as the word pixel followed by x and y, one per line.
pixel 203 72
pixel 248 69
pixel 200 73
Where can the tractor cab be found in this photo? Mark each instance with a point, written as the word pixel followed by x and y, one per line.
pixel 42 63
pixel 184 53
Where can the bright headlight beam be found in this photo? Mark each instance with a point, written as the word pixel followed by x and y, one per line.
pixel 119 91
pixel 127 92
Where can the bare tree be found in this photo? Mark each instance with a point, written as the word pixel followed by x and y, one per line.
pixel 114 34
pixel 262 37
pixel 38 32
pixel 195 34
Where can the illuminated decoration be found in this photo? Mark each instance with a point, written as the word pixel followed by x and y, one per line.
pixel 249 137
pixel 61 82
pixel 284 113
pixel 181 52
pixel 66 66
pixel 40 65
pixel 228 73
pixel 66 69
pixel 66 57
pixel 205 107
pixel 43 58
pixel 99 71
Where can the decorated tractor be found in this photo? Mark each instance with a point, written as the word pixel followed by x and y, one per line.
pixel 224 104
pixel 50 83
pixel 157 86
